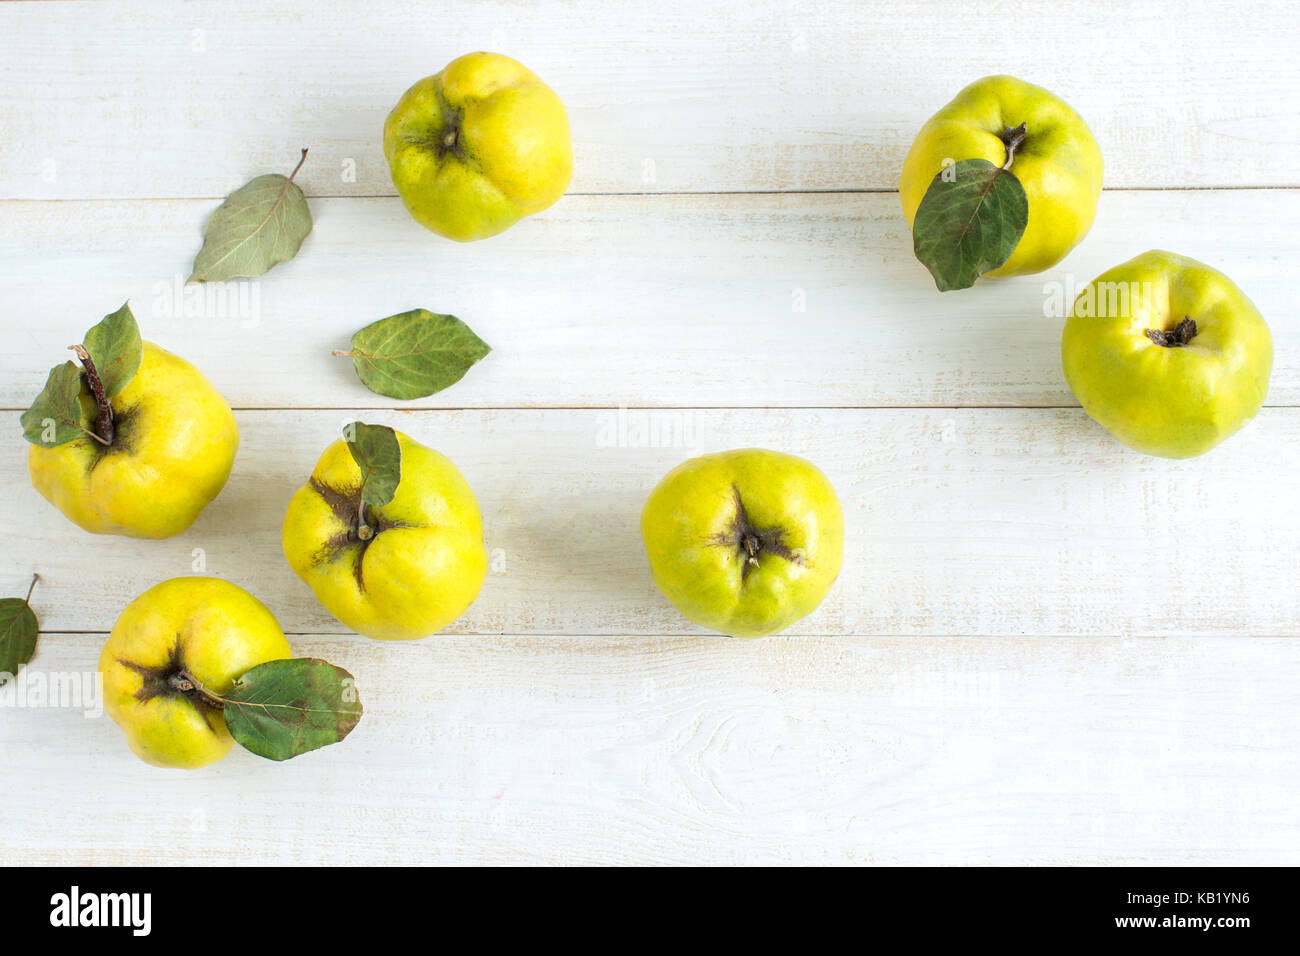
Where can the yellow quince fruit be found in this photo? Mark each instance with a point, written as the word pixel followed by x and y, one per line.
pixel 172 648
pixel 174 441
pixel 400 571
pixel 478 146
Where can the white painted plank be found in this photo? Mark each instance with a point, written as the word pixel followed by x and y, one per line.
pixel 981 521
pixel 660 750
pixel 185 100
pixel 621 300
pixel 606 729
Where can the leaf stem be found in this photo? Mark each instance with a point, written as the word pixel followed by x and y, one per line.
pixel 104 425
pixel 299 166
pixel 289 182
pixel 91 434
pixel 28 600
pixel 1012 139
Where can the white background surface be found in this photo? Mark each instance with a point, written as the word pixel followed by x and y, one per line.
pixel 1043 647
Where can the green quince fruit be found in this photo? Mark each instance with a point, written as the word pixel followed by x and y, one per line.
pixel 744 542
pixel 1167 354
pixel 1058 163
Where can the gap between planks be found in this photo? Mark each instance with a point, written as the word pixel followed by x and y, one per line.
pixel 703 193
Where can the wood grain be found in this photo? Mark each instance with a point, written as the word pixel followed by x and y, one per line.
pixel 632 300
pixel 978 521
pixel 183 101
pixel 578 750
pixel 1043 648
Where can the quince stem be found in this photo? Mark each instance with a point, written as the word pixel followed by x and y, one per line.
pixel 1012 138
pixel 364 531
pixel 187 683
pixel 103 432
pixel 751 542
pixel 1179 336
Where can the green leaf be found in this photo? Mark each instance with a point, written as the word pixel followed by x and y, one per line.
pixel 59 414
pixel 414 354
pixel 378 454
pixel 969 222
pixel 281 709
pixel 259 225
pixel 18 630
pixel 115 348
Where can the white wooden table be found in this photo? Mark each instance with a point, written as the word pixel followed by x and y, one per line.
pixel 1043 647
